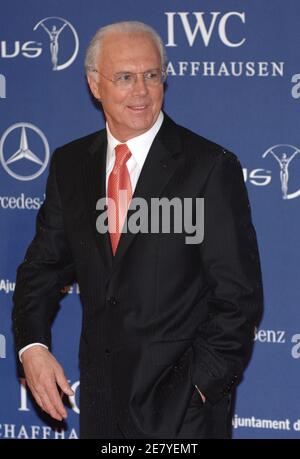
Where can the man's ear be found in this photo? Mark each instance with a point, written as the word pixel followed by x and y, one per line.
pixel 94 86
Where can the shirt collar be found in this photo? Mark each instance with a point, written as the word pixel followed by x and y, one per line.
pixel 139 146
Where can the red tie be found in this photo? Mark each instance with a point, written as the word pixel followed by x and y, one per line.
pixel 118 190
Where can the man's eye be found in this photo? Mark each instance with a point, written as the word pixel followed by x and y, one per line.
pixel 125 77
pixel 151 75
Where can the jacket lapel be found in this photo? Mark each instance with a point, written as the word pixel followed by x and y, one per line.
pixel 94 172
pixel 160 165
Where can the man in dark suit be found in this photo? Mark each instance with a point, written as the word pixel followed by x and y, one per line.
pixel 168 323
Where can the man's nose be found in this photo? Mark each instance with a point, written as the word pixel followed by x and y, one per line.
pixel 140 85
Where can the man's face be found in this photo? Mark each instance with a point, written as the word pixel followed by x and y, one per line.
pixel 128 111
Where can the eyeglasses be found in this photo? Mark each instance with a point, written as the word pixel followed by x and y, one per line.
pixel 152 77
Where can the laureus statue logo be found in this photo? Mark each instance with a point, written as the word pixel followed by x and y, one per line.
pixel 284 154
pixel 54 26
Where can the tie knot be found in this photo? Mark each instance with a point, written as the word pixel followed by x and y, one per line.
pixel 122 153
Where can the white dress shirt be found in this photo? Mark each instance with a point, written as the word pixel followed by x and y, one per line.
pixel 139 147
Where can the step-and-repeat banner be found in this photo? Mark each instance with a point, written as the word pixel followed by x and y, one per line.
pixel 233 77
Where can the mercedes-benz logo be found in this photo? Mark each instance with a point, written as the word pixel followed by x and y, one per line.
pixel 23 153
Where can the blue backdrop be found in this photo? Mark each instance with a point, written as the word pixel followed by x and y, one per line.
pixel 234 77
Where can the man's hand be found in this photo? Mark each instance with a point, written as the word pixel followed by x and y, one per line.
pixel 43 373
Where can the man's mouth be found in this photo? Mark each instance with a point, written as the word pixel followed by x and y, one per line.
pixel 137 108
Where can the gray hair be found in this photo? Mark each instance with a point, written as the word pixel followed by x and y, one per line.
pixel 125 27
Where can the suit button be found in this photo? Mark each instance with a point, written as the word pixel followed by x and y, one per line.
pixel 112 300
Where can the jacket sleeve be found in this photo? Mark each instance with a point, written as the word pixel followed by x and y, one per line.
pixel 47 267
pixel 232 268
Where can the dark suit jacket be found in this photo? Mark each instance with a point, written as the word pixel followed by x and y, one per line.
pixel 161 315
